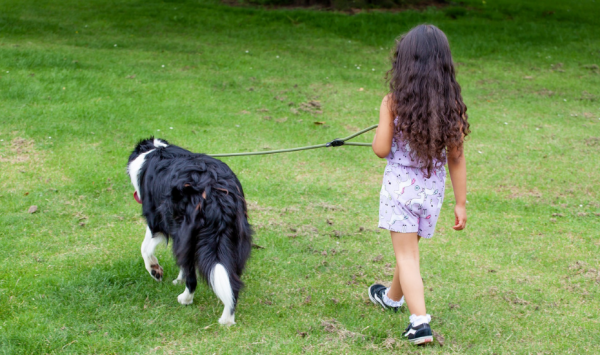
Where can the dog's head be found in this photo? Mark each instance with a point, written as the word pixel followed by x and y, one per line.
pixel 138 157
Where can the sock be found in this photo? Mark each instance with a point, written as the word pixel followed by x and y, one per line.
pixel 388 301
pixel 416 320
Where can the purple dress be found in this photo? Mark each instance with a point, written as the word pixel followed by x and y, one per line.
pixel 409 202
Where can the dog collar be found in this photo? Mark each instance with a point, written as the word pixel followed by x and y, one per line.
pixel 135 196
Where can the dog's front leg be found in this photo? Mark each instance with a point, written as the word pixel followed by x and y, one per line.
pixel 148 245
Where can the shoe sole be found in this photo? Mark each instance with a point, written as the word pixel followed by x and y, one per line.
pixel 374 300
pixel 422 340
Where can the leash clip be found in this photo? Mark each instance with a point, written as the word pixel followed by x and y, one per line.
pixel 335 143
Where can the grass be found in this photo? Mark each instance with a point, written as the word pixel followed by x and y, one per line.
pixel 82 81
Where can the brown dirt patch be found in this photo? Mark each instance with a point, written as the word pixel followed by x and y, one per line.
pixel 20 150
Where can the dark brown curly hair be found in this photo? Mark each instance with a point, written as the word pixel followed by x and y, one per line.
pixel 426 97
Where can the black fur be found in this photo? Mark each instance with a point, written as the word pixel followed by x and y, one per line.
pixel 205 230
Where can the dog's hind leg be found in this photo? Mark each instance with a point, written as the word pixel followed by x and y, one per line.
pixel 148 245
pixel 221 285
pixel 180 278
pixel 187 297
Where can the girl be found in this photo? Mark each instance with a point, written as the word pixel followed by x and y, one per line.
pixel 422 124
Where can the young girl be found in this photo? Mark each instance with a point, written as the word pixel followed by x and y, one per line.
pixel 422 124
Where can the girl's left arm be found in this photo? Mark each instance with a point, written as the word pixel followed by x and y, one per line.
pixel 457 166
pixel 382 142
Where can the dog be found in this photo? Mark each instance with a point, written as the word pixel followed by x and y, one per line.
pixel 198 203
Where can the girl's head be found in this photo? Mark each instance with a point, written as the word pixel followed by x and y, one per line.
pixel 426 97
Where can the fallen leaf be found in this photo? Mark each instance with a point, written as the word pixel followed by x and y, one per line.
pixel 334 301
pixel 307 299
pixel 318 123
pixel 281 120
pixel 378 258
pixel 438 337
pixel 301 334
pixel 324 253
pixel 453 306
pixel 244 112
pixel 256 246
pixel 32 209
pixel 361 89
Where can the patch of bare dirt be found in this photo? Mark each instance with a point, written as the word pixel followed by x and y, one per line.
pixel 335 327
pixel 20 150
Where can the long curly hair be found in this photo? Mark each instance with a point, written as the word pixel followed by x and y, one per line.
pixel 425 97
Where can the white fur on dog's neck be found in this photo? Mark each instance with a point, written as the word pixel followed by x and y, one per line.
pixel 134 170
pixel 158 143
pixel 136 165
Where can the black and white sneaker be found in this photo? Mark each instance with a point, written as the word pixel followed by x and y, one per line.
pixel 376 293
pixel 420 334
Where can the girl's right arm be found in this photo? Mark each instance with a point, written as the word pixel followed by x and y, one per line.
pixel 382 142
pixel 457 166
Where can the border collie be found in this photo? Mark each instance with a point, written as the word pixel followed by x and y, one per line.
pixel 198 202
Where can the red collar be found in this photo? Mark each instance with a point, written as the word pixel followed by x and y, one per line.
pixel 135 196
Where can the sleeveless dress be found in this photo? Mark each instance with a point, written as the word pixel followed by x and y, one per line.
pixel 409 202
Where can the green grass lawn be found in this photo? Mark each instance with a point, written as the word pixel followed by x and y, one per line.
pixel 82 81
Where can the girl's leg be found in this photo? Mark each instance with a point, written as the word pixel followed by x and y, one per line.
pixel 406 248
pixel 395 292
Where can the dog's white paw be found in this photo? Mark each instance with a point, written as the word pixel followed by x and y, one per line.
pixel 227 318
pixel 227 321
pixel 186 297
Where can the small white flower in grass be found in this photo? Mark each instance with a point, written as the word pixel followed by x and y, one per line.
pixel 158 130
pixel 565 100
pixel 276 56
pixel 479 151
pixel 7 72
pixel 246 51
pixel 115 45
pixel 373 69
pixel 357 67
pixel 580 205
pixel 237 125
pixel 170 127
pixel 537 129
pixel 163 65
pixel 505 122
pixel 49 137
pixel 85 26
pixel 349 41
pixel 1 140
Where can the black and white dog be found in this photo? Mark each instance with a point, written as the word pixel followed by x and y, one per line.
pixel 198 202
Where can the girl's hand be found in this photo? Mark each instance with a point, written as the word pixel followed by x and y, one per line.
pixel 461 217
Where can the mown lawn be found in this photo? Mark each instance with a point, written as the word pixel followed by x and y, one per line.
pixel 82 81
